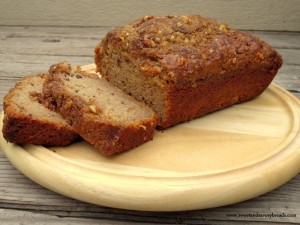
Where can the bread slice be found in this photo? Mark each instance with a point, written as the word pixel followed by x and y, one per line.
pixel 186 66
pixel 26 121
pixel 102 114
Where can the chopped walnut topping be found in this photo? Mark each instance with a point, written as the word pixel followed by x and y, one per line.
pixel 203 56
pixel 147 18
pixel 152 44
pixel 149 43
pixel 172 38
pixel 260 55
pixel 193 41
pixel 68 104
pixel 157 40
pixel 186 19
pixel 164 43
pixel 223 28
pixel 178 24
pixel 146 42
pixel 93 108
pixel 144 127
pixel 181 35
pixel 150 68
pixel 157 69
pixel 171 74
pixel 181 61
pixel 121 38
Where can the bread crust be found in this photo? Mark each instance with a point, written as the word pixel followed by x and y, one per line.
pixel 181 55
pixel 27 127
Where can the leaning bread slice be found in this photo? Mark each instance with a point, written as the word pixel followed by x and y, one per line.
pixel 26 121
pixel 102 114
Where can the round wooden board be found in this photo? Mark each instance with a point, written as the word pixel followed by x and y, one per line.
pixel 226 157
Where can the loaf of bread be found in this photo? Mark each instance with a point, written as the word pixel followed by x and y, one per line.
pixel 186 66
pixel 102 114
pixel 27 121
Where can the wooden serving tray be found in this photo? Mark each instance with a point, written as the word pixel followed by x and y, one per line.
pixel 225 157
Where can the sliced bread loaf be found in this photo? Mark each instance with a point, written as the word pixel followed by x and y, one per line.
pixel 102 114
pixel 186 66
pixel 26 121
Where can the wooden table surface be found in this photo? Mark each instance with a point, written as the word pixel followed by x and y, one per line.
pixel 31 50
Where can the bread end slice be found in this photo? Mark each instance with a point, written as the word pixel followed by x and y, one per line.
pixel 27 121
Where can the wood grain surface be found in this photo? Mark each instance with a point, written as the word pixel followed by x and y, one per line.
pixel 243 14
pixel 196 165
pixel 31 49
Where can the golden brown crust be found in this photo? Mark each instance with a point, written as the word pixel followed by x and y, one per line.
pixel 89 115
pixel 26 121
pixel 181 53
